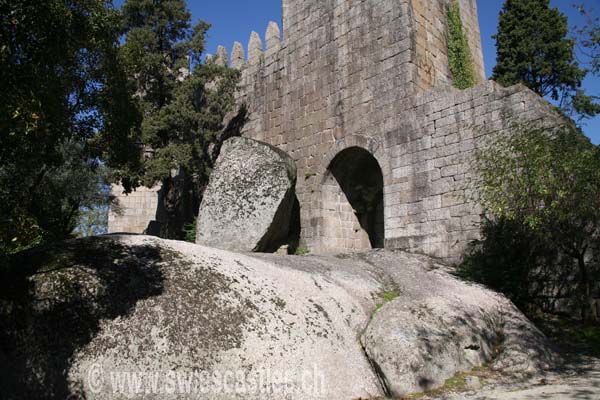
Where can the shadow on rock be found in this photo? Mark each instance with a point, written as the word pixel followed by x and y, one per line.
pixel 52 306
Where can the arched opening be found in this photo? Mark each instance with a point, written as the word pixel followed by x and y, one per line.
pixel 360 204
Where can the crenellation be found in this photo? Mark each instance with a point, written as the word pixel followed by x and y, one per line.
pixel 373 75
pixel 238 58
pixel 255 49
pixel 273 38
pixel 222 58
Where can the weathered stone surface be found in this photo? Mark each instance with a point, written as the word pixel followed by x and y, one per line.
pixel 374 75
pixel 237 56
pixel 255 48
pixel 222 58
pixel 133 213
pixel 100 308
pixel 439 326
pixel 248 203
pixel 273 38
pixel 149 307
pixel 436 326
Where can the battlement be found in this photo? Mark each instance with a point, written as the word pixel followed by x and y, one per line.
pixel 359 93
pixel 380 27
pixel 337 49
pixel 342 69
pixel 257 53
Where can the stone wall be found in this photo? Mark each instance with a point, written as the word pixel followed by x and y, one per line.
pixel 374 74
pixel 430 27
pixel 340 78
pixel 428 200
pixel 134 212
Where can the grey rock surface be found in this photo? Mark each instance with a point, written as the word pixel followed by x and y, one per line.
pixel 472 383
pixel 249 200
pixel 144 318
pixel 439 325
pixel 578 379
pixel 157 312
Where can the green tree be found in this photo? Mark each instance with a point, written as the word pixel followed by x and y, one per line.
pixel 57 62
pixel 549 183
pixel 589 39
pixel 182 102
pixel 533 49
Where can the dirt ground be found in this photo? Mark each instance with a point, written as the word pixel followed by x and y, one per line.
pixel 579 379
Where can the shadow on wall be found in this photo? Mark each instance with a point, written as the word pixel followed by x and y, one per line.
pixel 50 307
pixel 359 176
pixel 293 240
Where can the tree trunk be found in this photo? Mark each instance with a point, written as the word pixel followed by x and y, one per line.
pixel 178 204
pixel 587 314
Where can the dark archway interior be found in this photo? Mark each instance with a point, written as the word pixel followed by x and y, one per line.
pixel 360 177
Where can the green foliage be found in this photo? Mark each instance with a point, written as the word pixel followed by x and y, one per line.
pixel 92 221
pixel 57 62
pixel 512 260
pixel 302 251
pixel 19 232
pixel 542 191
pixel 533 49
pixel 543 178
pixel 386 297
pixel 455 384
pixel 389 296
pixel 61 198
pixel 190 231
pixel 579 337
pixel 182 103
pixel 92 217
pixel 74 93
pixel 589 39
pixel 459 53
pixel 589 336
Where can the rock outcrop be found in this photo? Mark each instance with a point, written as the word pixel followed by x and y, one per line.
pixel 249 201
pixel 139 317
pixel 439 325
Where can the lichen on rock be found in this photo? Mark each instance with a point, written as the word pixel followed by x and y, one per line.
pixel 249 201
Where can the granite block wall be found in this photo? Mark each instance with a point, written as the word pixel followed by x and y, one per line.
pixel 373 74
pixel 134 212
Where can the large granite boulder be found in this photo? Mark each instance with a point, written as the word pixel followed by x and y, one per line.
pixel 438 326
pixel 143 318
pixel 249 201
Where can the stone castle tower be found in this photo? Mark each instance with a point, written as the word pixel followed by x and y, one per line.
pixel 360 94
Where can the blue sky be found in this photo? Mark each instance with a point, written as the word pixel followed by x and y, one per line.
pixel 233 20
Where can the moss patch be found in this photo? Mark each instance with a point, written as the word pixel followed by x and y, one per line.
pixel 386 298
pixel 456 384
pixel 301 251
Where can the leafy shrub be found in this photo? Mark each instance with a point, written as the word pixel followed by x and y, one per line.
pixel 541 192
pixel 301 251
pixel 190 231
